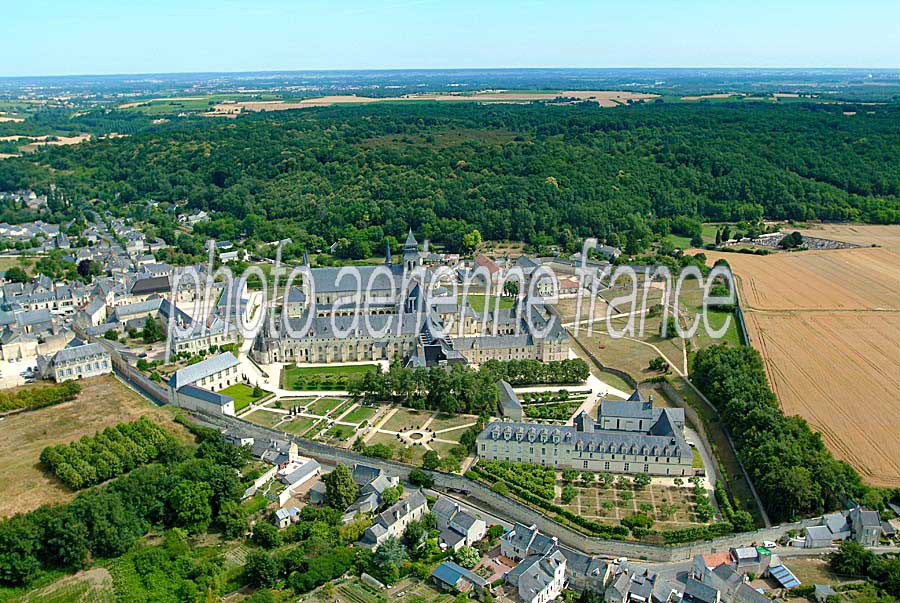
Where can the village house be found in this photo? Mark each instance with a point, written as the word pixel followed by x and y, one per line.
pixel 458 528
pixel 393 521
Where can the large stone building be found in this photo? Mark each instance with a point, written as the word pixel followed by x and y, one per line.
pixel 89 360
pixel 637 438
pixel 392 319
pixel 197 386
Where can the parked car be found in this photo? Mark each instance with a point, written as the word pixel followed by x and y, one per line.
pixel 769 544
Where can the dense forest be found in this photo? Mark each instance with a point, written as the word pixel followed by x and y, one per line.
pixel 542 174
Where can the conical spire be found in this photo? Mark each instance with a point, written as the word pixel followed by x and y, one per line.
pixel 387 253
pixel 305 258
pixel 411 240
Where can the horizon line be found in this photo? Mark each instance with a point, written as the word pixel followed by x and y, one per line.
pixel 440 69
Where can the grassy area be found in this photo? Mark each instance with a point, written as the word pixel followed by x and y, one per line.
pixel 323 377
pixel 671 507
pixel 679 242
pixel 721 449
pixel 359 414
pixel 405 418
pixel 243 395
pixel 265 418
pixel 297 425
pixel 478 301
pixel 26 263
pixel 103 402
pixel 697 460
pixel 323 406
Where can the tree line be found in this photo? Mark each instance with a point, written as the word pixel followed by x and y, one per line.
pixel 39 397
pixel 109 453
pixel 462 389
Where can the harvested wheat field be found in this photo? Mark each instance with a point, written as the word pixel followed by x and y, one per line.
pixel 605 98
pixel 827 324
pixel 858 234
pixel 841 279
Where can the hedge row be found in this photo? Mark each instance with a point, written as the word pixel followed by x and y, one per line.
pixel 39 397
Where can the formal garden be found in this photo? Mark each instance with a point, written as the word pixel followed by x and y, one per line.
pixel 324 378
pixel 624 507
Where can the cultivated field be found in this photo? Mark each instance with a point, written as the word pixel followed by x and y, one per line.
pixel 860 234
pixel 838 280
pixel 828 326
pixel 103 402
pixel 605 98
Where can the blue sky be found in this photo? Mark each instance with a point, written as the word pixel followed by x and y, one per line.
pixel 53 37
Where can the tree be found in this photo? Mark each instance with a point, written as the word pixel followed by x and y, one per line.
pixel 641 480
pixel 467 557
pixel 233 519
pixel 417 477
pixel 266 535
pixel 340 489
pixel 260 570
pixel 414 536
pixel 471 241
pixel 391 495
pixel 431 460
pixel 87 269
pixel 189 501
pixel 152 331
pixel 111 335
pixel 388 558
pixel 851 559
pixel 15 274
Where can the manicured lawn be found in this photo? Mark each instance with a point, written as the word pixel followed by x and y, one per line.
pixel 242 394
pixel 323 406
pixel 359 414
pixel 323 377
pixel 297 425
pixel 478 302
pixel 697 462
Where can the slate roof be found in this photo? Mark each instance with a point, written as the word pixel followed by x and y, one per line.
pixel 819 533
pixel 205 395
pixel 204 368
pixel 303 472
pixel 153 284
pixel 509 401
pixel 535 573
pixel 80 352
pixel 696 591
pixel 615 442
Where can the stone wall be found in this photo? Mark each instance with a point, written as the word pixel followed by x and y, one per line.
pixel 509 508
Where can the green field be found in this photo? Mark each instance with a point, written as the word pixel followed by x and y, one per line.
pixel 242 394
pixel 478 302
pixel 359 414
pixel 297 425
pixel 323 406
pixel 302 378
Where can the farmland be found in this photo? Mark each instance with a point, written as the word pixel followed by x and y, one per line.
pixel 103 402
pixel 828 327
